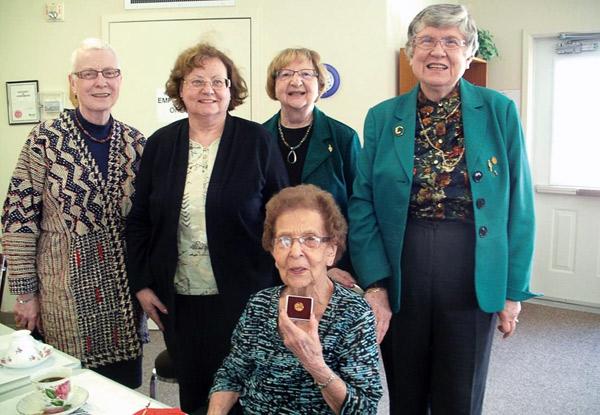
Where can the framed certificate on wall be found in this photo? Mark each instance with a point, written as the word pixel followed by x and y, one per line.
pixel 23 102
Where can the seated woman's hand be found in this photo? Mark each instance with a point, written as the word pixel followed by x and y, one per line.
pixel 302 338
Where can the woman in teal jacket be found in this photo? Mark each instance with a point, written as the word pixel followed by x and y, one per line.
pixel 316 149
pixel 442 222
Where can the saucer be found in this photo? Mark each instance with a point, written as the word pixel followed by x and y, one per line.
pixel 30 404
pixel 43 352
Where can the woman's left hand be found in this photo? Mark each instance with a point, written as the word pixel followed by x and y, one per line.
pixel 302 338
pixel 509 318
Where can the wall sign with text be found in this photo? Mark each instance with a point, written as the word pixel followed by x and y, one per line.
pixel 23 102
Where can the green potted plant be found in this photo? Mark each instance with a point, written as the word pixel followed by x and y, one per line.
pixel 487 48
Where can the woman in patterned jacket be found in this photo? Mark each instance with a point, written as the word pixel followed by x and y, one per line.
pixel 325 365
pixel 63 224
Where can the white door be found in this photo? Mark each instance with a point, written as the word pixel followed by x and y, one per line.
pixel 147 51
pixel 564 134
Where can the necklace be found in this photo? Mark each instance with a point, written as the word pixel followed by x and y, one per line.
pixel 83 130
pixel 291 157
pixel 448 163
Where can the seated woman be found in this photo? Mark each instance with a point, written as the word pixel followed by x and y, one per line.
pixel 326 365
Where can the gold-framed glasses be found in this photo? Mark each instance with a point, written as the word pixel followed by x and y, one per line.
pixel 216 84
pixel 448 43
pixel 306 74
pixel 93 74
pixel 310 241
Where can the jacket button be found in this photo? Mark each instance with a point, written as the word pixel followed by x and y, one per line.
pixel 477 176
pixel 480 203
pixel 483 232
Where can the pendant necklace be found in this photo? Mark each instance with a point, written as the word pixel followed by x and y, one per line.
pixel 449 164
pixel 291 157
pixel 83 130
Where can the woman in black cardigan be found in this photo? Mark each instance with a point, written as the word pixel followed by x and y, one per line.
pixel 194 232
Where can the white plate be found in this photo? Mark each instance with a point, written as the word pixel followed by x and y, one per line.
pixel 30 404
pixel 44 352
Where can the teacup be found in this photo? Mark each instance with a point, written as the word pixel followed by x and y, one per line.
pixel 21 349
pixel 53 388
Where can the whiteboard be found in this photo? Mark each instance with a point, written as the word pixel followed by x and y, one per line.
pixel 147 51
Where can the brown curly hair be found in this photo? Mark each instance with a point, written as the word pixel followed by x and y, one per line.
pixel 193 58
pixel 307 196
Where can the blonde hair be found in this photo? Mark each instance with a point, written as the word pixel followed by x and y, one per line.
pixel 286 56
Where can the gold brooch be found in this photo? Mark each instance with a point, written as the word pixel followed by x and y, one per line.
pixel 399 131
pixel 491 163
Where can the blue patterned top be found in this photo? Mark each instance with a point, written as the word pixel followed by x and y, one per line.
pixel 273 381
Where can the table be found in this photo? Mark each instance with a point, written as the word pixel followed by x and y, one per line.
pixel 106 397
pixel 12 379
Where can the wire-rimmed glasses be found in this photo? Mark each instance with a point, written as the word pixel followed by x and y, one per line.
pixel 93 74
pixel 309 241
pixel 448 43
pixel 200 83
pixel 306 74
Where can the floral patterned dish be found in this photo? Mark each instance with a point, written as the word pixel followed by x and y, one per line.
pixel 11 358
pixel 30 404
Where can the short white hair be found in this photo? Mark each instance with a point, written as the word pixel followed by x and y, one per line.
pixel 91 43
pixel 442 16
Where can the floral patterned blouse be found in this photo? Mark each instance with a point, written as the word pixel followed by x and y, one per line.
pixel 194 274
pixel 441 189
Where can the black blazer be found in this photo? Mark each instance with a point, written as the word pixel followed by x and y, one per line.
pixel 248 171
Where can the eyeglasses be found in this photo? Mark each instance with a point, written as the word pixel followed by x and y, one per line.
pixel 216 84
pixel 93 74
pixel 310 242
pixel 448 43
pixel 306 74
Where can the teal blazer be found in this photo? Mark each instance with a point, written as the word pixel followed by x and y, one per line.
pixel 331 156
pixel 502 195
pixel 330 161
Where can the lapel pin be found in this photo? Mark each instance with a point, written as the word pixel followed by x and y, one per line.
pixel 399 131
pixel 330 148
pixel 491 162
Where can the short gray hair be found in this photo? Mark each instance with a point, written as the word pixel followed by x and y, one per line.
pixel 91 43
pixel 441 16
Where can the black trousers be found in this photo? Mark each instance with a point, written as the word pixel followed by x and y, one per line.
pixel 128 373
pixel 436 352
pixel 197 346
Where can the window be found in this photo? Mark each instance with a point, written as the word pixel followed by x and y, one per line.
pixel 575 134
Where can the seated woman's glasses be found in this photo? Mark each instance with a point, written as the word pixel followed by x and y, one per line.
pixel 306 74
pixel 310 241
pixel 216 84
pixel 448 43
pixel 93 74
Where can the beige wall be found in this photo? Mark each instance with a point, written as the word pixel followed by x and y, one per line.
pixel 356 36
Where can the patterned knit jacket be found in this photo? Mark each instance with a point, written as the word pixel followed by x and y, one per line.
pixel 63 235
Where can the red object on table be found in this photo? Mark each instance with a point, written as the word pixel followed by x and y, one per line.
pixel 160 411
